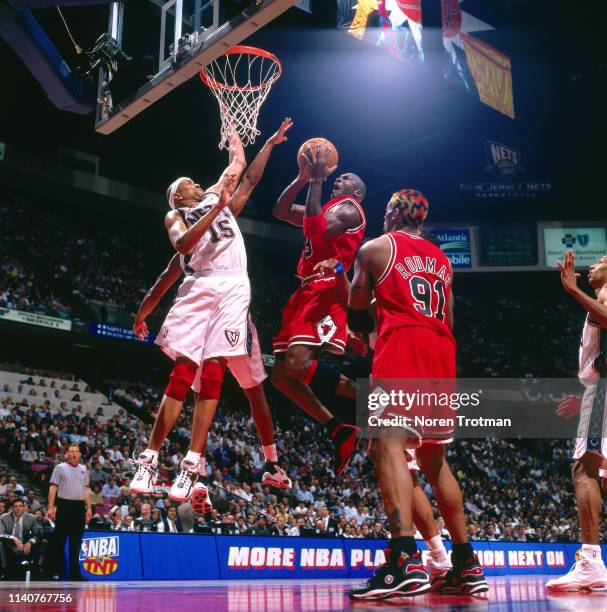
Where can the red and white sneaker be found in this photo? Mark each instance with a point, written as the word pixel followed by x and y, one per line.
pixel 275 476
pixel 145 476
pixel 585 574
pixel 185 481
pixel 200 500
pixel 437 572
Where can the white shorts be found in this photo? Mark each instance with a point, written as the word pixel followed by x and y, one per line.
pixel 209 318
pixel 592 429
pixel 248 370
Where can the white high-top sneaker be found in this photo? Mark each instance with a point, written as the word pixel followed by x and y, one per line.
pixel 584 574
pixel 145 477
pixel 186 479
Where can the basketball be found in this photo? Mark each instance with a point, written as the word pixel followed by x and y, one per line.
pixel 313 143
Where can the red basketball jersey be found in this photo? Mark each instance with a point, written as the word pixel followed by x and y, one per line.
pixel 343 247
pixel 415 286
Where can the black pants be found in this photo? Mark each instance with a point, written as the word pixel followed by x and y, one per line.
pixel 69 524
pixel 9 555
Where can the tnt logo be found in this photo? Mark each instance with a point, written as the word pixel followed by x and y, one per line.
pixel 99 556
pixel 504 161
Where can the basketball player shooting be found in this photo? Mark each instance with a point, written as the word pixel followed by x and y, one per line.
pixel 199 330
pixel 314 318
pixel 590 454
pixel 415 320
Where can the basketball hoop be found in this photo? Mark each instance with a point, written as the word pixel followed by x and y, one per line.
pixel 241 79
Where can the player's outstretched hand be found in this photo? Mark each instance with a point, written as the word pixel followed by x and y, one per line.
pixel 356 341
pixel 326 267
pixel 318 161
pixel 279 136
pixel 568 274
pixel 227 187
pixel 140 329
pixel 569 407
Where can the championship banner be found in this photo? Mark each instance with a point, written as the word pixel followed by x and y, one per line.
pixel 31 318
pixel 492 74
pixel 588 243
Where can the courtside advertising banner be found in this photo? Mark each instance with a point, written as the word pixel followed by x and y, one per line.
pixel 155 556
pixel 588 243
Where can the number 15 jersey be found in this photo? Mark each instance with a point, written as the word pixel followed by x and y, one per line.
pixel 415 287
pixel 221 250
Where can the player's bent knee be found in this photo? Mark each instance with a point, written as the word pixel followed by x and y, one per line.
pixel 211 379
pixel 180 380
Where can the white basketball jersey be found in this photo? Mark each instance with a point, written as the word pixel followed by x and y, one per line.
pixel 590 347
pixel 221 250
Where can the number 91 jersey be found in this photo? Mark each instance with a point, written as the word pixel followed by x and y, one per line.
pixel 415 287
pixel 221 250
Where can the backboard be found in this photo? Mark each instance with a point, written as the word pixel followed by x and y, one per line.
pixel 170 41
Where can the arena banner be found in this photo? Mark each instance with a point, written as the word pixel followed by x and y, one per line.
pixel 170 556
pixel 119 333
pixel 588 243
pixel 31 318
pixel 111 556
pixel 251 557
pixel 455 243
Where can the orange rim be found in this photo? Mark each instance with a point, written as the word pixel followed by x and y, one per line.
pixel 213 84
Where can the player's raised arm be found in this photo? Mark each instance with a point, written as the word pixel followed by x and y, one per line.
pixel 285 208
pixel 163 283
pixel 256 169
pixel 236 166
pixel 596 308
pixel 183 238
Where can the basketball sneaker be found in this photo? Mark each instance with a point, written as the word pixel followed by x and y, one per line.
pixel 346 438
pixel 145 476
pixel 464 578
pixel 200 500
pixel 584 574
pixel 186 479
pixel 402 576
pixel 275 476
pixel 438 571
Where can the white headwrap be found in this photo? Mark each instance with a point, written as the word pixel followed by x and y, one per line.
pixel 172 190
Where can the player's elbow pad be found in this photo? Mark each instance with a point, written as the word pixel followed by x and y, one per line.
pixel 360 321
pixel 314 226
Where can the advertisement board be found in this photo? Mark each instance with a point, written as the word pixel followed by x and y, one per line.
pixel 588 243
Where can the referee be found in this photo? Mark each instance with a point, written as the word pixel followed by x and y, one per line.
pixel 69 486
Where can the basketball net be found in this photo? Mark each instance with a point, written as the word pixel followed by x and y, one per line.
pixel 241 80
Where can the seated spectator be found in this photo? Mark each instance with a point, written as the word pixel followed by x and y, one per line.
pixel 145 522
pixel 170 523
pixel 96 496
pixel 110 489
pixel 31 501
pixel 21 540
pixel 260 527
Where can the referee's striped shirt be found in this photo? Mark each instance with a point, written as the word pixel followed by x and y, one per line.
pixel 71 480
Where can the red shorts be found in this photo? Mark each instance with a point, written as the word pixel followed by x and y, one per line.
pixel 418 353
pixel 414 352
pixel 315 315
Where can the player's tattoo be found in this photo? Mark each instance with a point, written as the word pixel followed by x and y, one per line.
pixel 396 523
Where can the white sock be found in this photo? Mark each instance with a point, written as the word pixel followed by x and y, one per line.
pixel 153 453
pixel 203 466
pixel 269 453
pixel 591 551
pixel 438 552
pixel 192 457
